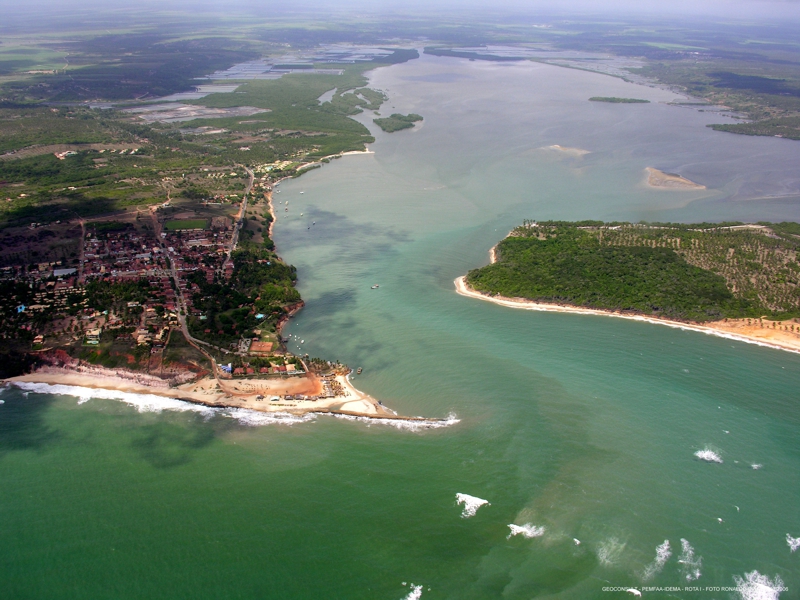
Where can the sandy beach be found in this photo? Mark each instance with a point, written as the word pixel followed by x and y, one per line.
pixel 670 181
pixel 750 331
pixel 238 393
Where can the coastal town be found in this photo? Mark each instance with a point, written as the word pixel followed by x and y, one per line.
pixel 171 297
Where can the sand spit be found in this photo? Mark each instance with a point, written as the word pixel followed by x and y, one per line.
pixel 670 181
pixel 567 150
pixel 259 395
pixel 738 330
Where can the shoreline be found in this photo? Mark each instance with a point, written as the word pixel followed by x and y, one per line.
pixel 727 330
pixel 206 392
pixel 290 396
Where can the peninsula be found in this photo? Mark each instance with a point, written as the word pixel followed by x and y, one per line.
pixel 733 279
pixel 136 250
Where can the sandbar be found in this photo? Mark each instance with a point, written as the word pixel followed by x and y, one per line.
pixel 670 181
pixel 568 150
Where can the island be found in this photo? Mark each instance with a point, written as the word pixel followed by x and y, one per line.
pixel 615 100
pixel 740 280
pixel 396 122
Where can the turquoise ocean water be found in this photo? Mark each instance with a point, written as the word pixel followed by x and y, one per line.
pixel 584 429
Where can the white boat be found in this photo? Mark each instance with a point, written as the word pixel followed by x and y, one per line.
pixel 375 287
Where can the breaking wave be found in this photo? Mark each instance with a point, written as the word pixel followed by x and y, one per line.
pixel 793 543
pixel 690 562
pixel 663 554
pixel 415 425
pixel 755 586
pixel 708 455
pixel 415 593
pixel 609 551
pixel 141 402
pixel 255 418
pixel 471 504
pixel 529 530
pixel 152 403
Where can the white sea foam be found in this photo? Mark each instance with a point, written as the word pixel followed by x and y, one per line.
pixel 529 530
pixel 142 402
pixel 755 586
pixel 756 466
pixel 255 418
pixel 609 551
pixel 471 504
pixel 415 593
pixel 663 554
pixel 708 455
pixel 691 563
pixel 417 425
pixel 153 403
pixel 794 543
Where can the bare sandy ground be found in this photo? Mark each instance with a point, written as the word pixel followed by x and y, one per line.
pixel 758 331
pixel 668 181
pixel 239 393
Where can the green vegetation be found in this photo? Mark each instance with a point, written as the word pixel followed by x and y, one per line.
pixel 186 224
pixel 396 122
pixel 260 284
pixel 122 67
pixel 786 127
pixel 685 272
pixel 615 100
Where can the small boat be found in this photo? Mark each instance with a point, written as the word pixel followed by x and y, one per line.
pixel 302 192
pixel 375 287
pixel 358 371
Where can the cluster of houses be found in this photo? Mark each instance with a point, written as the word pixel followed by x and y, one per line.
pixel 123 256
pixel 248 371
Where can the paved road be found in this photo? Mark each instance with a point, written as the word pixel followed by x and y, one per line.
pixel 237 227
pixel 181 300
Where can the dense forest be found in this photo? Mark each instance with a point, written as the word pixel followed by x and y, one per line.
pixel 685 272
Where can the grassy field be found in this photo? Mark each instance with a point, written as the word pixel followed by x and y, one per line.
pixel 186 224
